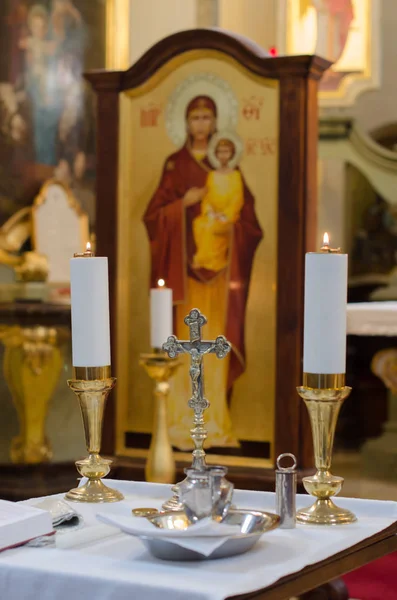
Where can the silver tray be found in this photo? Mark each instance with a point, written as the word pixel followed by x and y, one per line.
pixel 253 524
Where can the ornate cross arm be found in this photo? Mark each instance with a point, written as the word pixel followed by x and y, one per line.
pixel 173 347
pixel 221 347
pixel 195 321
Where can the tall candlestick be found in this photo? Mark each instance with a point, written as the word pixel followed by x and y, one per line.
pixel 325 311
pixel 89 288
pixel 160 314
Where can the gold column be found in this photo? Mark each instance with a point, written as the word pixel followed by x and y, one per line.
pixel 32 366
pixel 160 465
pixel 117 34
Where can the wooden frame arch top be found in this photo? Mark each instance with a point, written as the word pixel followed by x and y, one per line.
pixel 297 78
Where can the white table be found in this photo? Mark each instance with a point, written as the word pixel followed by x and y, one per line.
pixel 119 567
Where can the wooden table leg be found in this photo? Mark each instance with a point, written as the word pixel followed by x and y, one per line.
pixel 334 590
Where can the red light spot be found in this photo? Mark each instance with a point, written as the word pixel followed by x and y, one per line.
pixel 273 51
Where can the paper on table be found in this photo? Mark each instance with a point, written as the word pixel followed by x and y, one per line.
pixel 86 535
pixel 70 526
pixel 204 537
pixel 60 512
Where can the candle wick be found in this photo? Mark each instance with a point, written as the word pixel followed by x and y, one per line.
pixel 86 254
pixel 325 248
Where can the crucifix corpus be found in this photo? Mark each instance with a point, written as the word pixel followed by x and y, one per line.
pixel 197 348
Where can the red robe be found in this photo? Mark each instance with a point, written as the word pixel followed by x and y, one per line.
pixel 169 226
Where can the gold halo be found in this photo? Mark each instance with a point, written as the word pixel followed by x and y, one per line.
pixel 200 84
pixel 225 135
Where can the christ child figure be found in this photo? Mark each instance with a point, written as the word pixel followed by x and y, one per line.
pixel 220 207
pixel 38 50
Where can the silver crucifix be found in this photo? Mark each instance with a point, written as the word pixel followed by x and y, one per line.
pixel 197 348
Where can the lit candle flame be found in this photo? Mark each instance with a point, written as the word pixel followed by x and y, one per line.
pixel 88 247
pixel 326 239
pixel 161 283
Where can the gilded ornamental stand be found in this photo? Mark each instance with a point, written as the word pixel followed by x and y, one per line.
pixel 32 366
pixel 160 465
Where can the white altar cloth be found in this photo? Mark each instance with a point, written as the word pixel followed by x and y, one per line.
pixel 372 318
pixel 120 568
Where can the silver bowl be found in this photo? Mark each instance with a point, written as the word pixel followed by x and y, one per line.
pixel 253 524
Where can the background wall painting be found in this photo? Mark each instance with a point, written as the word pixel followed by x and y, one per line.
pixel 46 109
pixel 346 32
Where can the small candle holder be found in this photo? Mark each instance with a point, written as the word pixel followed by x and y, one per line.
pixel 324 396
pixel 92 386
pixel 160 464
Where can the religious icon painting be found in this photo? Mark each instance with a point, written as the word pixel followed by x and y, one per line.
pixel 46 108
pixel 204 148
pixel 199 218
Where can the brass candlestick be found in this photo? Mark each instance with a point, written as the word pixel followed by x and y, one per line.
pixel 324 396
pixel 92 386
pixel 160 464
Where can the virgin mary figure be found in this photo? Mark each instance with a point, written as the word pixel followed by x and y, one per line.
pixel 220 295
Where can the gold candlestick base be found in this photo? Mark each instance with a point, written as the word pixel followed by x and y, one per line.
pixel 323 406
pixel 160 465
pixel 92 395
pixel 94 467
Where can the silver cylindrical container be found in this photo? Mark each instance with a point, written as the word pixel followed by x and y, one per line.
pixel 286 492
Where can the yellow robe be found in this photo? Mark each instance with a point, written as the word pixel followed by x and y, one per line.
pixel 225 194
pixel 212 237
pixel 211 299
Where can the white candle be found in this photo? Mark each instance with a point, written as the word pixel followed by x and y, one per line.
pixel 325 312
pixel 89 289
pixel 160 314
